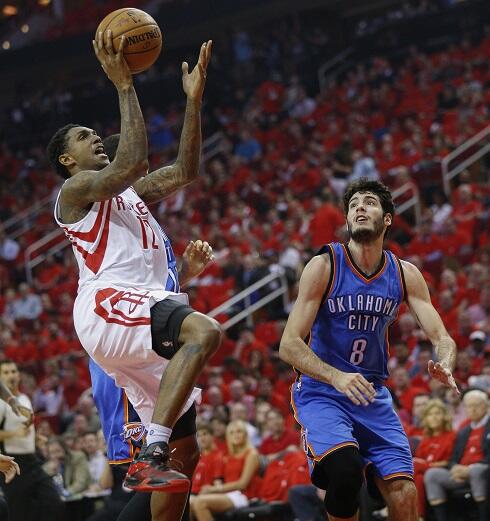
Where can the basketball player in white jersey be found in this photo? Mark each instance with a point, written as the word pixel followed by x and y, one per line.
pixel 123 314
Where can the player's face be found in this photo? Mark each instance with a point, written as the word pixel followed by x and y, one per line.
pixel 365 219
pixel 84 150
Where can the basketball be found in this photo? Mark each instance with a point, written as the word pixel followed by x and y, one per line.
pixel 143 36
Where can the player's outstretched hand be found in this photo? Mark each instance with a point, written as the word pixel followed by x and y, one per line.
pixel 443 374
pixel 8 467
pixel 355 387
pixel 193 82
pixel 197 256
pixel 113 63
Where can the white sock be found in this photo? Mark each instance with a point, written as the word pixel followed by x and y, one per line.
pixel 157 433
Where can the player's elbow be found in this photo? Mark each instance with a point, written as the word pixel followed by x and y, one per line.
pixel 285 350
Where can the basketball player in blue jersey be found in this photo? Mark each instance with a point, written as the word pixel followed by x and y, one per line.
pixel 336 338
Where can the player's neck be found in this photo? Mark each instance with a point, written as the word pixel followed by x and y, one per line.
pixel 367 256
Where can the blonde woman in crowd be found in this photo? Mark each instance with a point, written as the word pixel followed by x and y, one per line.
pixel 435 447
pixel 240 479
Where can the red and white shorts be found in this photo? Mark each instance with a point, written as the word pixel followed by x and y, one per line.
pixel 114 327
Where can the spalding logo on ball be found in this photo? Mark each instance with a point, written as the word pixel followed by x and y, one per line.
pixel 143 36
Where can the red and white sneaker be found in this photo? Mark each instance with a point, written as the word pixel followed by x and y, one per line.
pixel 150 472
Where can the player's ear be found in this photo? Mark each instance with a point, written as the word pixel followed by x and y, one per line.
pixel 388 219
pixel 66 160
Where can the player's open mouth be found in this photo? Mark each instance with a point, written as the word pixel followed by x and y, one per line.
pixel 361 219
pixel 99 151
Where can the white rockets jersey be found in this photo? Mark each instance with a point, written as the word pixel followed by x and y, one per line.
pixel 119 243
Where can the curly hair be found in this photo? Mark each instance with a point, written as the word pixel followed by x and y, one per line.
pixel 447 423
pixel 56 147
pixel 367 185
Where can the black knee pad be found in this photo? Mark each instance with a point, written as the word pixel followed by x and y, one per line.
pixel 341 475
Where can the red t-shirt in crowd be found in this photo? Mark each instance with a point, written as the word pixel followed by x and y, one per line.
pixel 232 470
pixel 473 452
pixel 207 470
pixel 271 446
pixel 432 449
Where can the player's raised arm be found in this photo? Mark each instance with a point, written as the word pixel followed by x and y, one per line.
pixel 293 348
pixel 131 161
pixel 163 182
pixel 432 325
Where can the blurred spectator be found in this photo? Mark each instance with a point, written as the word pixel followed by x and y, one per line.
pixel 48 398
pixel 402 389
pixel 218 427
pixel 415 429
pixel 209 466
pixel 435 447
pixel 239 411
pixel 481 311
pixel 280 440
pixel 467 463
pixel 363 166
pixel 69 469
pixel 9 248
pixel 440 209
pixel 27 306
pixel 248 147
pixel 238 395
pixel 240 477
pixel 97 462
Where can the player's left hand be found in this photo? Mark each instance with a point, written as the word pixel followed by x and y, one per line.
pixel 197 256
pixel 193 82
pixel 443 374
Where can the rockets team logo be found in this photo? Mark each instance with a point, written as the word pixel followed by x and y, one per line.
pixel 133 431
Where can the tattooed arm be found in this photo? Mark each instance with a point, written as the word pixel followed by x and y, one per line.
pixel 166 180
pixel 131 159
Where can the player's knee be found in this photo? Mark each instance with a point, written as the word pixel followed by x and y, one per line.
pixel 210 335
pixel 340 473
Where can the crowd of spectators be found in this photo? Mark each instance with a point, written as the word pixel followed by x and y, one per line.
pixel 266 203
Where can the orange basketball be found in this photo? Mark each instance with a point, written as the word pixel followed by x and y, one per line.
pixel 143 36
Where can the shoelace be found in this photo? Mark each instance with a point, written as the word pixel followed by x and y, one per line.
pixel 175 464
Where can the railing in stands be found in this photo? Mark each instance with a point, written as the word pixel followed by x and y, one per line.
pixel 23 221
pixel 412 202
pixel 246 314
pixel 38 251
pixel 468 153
pixel 333 67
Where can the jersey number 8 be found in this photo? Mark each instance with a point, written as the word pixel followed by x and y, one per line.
pixel 358 348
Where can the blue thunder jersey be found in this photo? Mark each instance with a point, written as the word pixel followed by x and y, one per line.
pixel 350 331
pixel 122 427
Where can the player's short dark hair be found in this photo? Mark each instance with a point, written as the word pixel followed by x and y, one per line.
pixel 367 185
pixel 56 147
pixel 110 145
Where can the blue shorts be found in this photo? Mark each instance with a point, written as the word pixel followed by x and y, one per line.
pixel 329 421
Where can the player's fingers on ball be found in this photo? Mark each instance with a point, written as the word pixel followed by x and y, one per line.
pixel 122 43
pixel 108 41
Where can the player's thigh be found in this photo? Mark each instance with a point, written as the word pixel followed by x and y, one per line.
pixel 325 422
pixel 382 440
